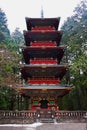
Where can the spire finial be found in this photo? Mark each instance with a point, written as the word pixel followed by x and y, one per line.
pixel 42 13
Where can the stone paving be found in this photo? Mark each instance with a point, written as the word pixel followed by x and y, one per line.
pixel 63 126
pixel 47 126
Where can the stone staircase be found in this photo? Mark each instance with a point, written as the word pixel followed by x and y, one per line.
pixel 45 116
pixel 46 120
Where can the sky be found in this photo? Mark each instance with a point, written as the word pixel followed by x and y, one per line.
pixel 17 10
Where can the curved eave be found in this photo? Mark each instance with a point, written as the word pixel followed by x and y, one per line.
pixel 58 91
pixel 45 66
pixel 29 71
pixel 32 22
pixel 43 52
pixel 46 87
pixel 42 36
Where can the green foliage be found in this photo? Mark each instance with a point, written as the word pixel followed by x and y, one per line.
pixel 17 37
pixel 75 38
pixel 7 98
pixel 9 66
pixel 4 31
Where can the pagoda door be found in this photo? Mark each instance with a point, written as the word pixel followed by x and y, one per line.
pixel 44 103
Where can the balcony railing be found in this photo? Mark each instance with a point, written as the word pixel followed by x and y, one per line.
pixel 43 44
pixel 44 61
pixel 44 81
pixel 43 28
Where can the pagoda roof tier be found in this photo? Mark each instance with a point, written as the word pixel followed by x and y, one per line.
pixel 44 90
pixel 42 36
pixel 32 22
pixel 30 71
pixel 43 52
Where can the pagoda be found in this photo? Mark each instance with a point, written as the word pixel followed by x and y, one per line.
pixel 42 70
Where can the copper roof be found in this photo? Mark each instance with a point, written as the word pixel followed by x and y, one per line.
pixel 43 52
pixel 42 36
pixel 44 90
pixel 32 22
pixel 29 71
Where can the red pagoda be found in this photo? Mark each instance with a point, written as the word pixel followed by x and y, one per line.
pixel 42 71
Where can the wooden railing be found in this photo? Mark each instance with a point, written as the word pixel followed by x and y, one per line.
pixel 34 114
pixel 17 114
pixel 71 114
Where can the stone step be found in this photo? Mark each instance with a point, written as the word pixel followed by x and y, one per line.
pixel 46 120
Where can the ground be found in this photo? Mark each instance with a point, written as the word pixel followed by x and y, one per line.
pixel 47 126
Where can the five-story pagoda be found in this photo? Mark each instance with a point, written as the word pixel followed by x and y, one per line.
pixel 42 71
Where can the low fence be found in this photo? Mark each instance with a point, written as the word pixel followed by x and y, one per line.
pixel 71 114
pixel 17 114
pixel 17 117
pixel 32 116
